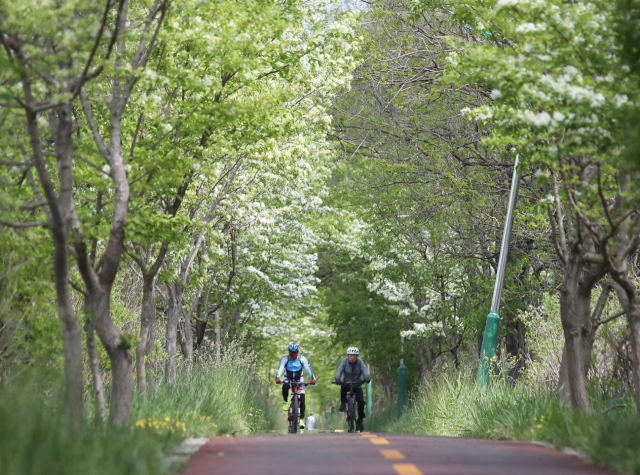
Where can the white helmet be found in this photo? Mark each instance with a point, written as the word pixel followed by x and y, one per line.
pixel 353 350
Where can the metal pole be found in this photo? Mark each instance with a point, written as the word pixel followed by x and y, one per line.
pixel 493 319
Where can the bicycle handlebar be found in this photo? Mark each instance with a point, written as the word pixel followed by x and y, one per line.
pixel 353 385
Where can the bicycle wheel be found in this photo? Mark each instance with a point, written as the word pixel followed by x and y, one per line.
pixel 352 425
pixel 295 414
pixel 351 413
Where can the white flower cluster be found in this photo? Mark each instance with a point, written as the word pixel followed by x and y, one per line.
pixel 423 330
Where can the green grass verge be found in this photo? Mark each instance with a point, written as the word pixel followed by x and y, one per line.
pixel 214 398
pixel 451 404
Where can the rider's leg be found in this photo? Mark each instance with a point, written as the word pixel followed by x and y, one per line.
pixel 360 401
pixel 285 391
pixel 343 398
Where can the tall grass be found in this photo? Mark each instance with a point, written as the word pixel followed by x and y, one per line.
pixel 451 404
pixel 35 438
pixel 218 396
pixel 215 397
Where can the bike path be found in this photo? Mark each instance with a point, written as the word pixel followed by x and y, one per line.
pixel 379 454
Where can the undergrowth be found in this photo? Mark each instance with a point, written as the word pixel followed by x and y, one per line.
pixel 215 397
pixel 450 404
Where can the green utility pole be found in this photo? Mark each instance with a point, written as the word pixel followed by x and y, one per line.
pixel 493 319
pixel 402 382
pixel 369 394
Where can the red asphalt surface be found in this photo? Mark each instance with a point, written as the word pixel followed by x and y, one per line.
pixel 343 453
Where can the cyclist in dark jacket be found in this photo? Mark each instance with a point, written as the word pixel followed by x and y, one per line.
pixel 353 369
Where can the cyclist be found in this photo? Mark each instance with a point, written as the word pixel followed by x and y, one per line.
pixel 353 369
pixel 291 366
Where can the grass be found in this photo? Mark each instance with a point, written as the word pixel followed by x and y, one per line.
pixel 216 397
pixel 450 404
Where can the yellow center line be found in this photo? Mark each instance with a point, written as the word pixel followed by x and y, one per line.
pixel 406 469
pixel 379 441
pixel 368 435
pixel 392 454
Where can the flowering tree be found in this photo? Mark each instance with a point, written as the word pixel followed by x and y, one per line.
pixel 558 86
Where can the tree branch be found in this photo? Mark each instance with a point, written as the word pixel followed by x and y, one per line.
pixel 95 132
pixel 24 225
pixel 607 320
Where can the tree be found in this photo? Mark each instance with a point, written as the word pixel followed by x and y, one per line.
pixel 558 84
pixel 432 189
pixel 43 77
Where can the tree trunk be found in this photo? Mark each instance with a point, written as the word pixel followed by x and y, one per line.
pixel 564 392
pixel 425 361
pixel 575 301
pixel 119 352
pixel 147 321
pixel 588 333
pixel 60 209
pixel 186 338
pixel 94 362
pixel 173 315
pixel 71 338
pixel 586 344
pixel 628 298
pixel 201 327
pixel 634 325
pixel 515 344
pixel 202 318
pixel 217 334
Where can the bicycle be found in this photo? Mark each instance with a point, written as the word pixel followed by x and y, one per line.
pixel 294 408
pixel 351 403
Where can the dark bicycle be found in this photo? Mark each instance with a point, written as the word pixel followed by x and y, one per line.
pixel 351 403
pixel 294 407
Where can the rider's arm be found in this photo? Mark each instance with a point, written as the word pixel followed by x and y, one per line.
pixel 340 369
pixel 365 371
pixel 283 362
pixel 307 367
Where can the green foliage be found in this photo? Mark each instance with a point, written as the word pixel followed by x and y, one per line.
pixel 29 329
pixel 128 340
pixel 216 397
pixel 451 404
pixel 35 438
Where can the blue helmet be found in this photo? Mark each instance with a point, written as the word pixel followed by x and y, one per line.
pixel 294 347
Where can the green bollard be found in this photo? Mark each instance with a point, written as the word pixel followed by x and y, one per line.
pixel 402 387
pixel 488 347
pixel 369 396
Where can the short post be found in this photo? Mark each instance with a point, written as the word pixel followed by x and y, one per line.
pixel 402 387
pixel 493 319
pixel 369 397
pixel 402 381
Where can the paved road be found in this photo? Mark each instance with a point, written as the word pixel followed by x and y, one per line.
pixel 379 454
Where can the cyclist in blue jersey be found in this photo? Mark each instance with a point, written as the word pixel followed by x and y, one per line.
pixel 292 366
